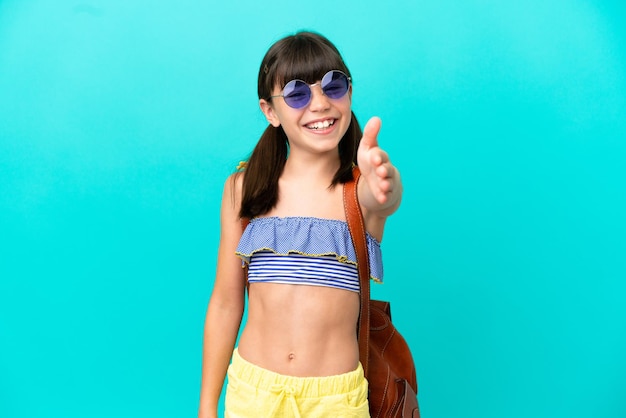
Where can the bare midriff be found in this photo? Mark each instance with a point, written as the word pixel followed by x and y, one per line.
pixel 300 330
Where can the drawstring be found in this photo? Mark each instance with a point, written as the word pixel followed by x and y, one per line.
pixel 285 391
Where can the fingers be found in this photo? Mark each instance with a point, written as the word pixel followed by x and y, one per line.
pixel 378 168
pixel 370 132
pixel 382 181
pixel 385 176
pixel 379 159
pixel 383 170
pixel 385 189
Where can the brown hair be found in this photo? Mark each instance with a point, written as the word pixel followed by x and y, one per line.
pixel 306 56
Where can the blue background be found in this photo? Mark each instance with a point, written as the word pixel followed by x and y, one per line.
pixel 120 120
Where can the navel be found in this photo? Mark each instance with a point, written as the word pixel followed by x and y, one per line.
pixel 291 356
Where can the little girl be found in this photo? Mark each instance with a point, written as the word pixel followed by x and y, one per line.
pixel 298 353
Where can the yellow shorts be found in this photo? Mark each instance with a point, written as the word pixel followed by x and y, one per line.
pixel 256 392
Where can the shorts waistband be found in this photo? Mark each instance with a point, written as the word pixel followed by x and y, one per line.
pixel 302 386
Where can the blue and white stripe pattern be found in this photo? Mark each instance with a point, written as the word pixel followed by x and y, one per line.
pixel 305 250
pixel 267 266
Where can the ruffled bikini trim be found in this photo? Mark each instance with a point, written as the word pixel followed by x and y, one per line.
pixel 313 237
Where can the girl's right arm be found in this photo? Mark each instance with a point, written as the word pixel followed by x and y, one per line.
pixel 226 305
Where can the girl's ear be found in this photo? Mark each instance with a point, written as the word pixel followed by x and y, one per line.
pixel 269 113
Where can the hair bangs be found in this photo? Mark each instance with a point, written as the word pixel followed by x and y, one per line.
pixel 307 61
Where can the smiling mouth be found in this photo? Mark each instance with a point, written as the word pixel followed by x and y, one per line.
pixel 321 125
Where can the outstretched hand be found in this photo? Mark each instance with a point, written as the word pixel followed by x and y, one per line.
pixel 374 164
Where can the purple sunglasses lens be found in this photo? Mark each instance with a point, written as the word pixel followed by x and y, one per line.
pixel 297 94
pixel 335 84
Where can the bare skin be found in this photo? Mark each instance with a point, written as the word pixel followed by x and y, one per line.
pixel 294 330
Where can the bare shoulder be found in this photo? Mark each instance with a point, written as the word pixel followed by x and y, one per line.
pixel 231 198
pixel 236 180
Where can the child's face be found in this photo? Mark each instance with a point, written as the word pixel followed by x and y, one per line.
pixel 316 127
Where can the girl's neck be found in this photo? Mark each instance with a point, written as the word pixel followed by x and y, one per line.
pixel 311 167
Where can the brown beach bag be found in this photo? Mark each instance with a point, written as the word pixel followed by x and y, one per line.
pixel 383 352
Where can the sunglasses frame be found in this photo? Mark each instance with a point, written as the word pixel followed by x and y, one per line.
pixel 310 86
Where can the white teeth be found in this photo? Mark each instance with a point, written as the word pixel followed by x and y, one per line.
pixel 321 125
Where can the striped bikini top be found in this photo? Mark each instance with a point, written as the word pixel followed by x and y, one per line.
pixel 305 250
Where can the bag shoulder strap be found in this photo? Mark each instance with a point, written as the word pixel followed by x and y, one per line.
pixel 356 226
